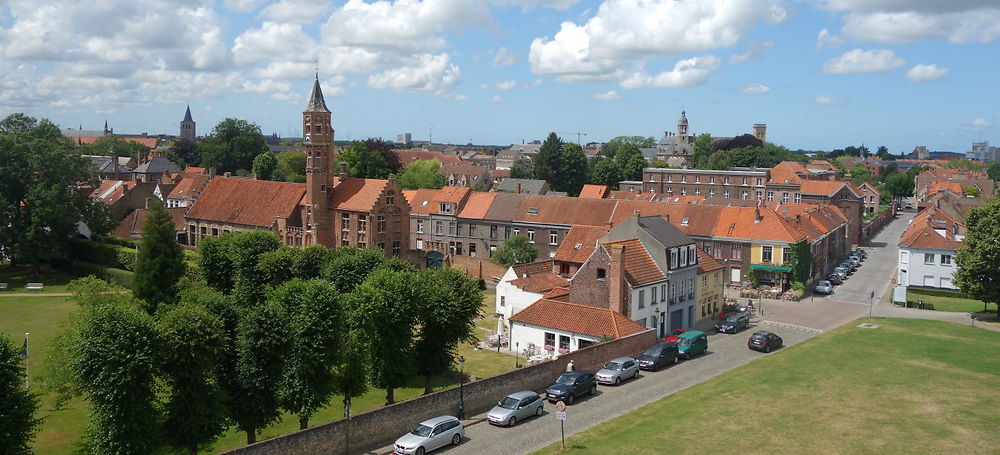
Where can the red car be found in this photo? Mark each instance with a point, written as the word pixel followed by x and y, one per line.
pixel 674 334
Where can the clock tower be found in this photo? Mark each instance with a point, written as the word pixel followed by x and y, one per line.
pixel 317 136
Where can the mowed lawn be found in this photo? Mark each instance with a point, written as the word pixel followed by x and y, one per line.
pixel 956 302
pixel 910 386
pixel 62 431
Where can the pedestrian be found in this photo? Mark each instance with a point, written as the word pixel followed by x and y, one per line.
pixel 570 367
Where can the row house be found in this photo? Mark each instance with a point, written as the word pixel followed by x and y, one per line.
pixel 870 196
pixel 931 181
pixel 825 227
pixel 467 175
pixel 928 247
pixel 710 286
pixel 738 183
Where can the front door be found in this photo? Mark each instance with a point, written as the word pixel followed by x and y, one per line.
pixel 663 323
pixel 677 319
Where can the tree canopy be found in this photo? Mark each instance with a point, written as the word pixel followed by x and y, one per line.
pixel 290 167
pixel 264 165
pixel 423 174
pixel 522 169
pixel 19 424
pixel 160 262
pixel 630 161
pixel 546 162
pixel 371 158
pixel 610 149
pixel 515 250
pixel 232 146
pixel 573 169
pixel 113 144
pixel 978 273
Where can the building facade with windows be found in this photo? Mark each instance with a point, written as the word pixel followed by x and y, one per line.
pixel 928 247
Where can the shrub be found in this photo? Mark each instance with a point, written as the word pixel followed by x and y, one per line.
pixel 126 259
pixel 798 286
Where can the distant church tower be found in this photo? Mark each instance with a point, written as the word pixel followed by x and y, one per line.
pixel 682 129
pixel 760 131
pixel 317 136
pixel 187 126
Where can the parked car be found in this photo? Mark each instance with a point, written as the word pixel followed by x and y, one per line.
pixel 764 341
pixel 834 278
pixel 571 385
pixel 674 335
pixel 847 267
pixel 862 252
pixel 658 355
pixel 429 435
pixel 824 287
pixel 855 262
pixel 692 343
pixel 514 407
pixel 841 272
pixel 734 322
pixel 618 370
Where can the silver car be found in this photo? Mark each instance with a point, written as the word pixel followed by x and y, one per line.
pixel 429 435
pixel 514 407
pixel 617 370
pixel 824 287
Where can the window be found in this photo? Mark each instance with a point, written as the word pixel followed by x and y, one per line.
pixel 691 288
pixel 517 231
pixel 684 191
pixel 697 179
pixel 652 295
pixel 601 274
pixel 458 229
pixel 362 244
pixel 531 235
pixel 770 195
pixel 784 198
pixel 697 191
pixel 564 268
pixel 215 232
pixel 445 207
pixel 673 259
pixel 506 231
pixel 563 342
pixel 451 228
pixel 345 222
pixel 472 230
pixel 725 194
pixel 718 251
pixel 420 244
pixel 673 290
pixel 493 232
pixel 670 178
pixel 362 223
pixel 550 339
pixel 798 198
pixel 420 226
pixel 904 257
pixel 786 255
pixel 692 255
pixel 725 180
pixel 642 298
pixel 760 196
pixel 395 247
pixel 945 259
pixel 344 242
pixel 681 293
pixel 663 292
pixel 711 193
pixel 707 246
pixel 684 179
pixel 472 249
pixel 711 179
pixel 439 227
pixel 381 223
pixel 737 252
pixel 389 198
pixel 381 246
pixel 929 258
pixel 745 195
pixel 683 262
pixel 670 191
pixel 746 181
pixel 760 181
pixel 766 253
pixel 553 238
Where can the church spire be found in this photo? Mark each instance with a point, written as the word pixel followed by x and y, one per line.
pixel 187 115
pixel 316 101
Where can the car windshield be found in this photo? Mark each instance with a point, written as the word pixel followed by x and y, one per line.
pixel 684 342
pixel 652 352
pixel 509 403
pixel 566 379
pixel 613 366
pixel 732 318
pixel 824 283
pixel 421 430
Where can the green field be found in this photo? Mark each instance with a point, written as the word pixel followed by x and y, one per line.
pixel 62 430
pixel 946 301
pixel 16 279
pixel 910 386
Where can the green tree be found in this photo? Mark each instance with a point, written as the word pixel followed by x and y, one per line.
pixel 187 151
pixel 888 170
pixel 547 160
pixel 630 161
pixel 315 322
pixel 993 170
pixel 233 145
pixel 449 304
pixel 349 267
pixel 860 174
pixel 310 262
pixel 114 366
pixel 192 343
pixel 262 336
pixel 702 150
pixel 350 376
pixel 278 266
pixel 515 250
pixel 18 405
pixel 972 191
pixel 979 259
pixel 610 148
pixel 899 185
pixel 883 153
pixel 40 200
pixel 522 169
pixel 720 160
pixel 245 249
pixel 114 145
pixel 365 160
pixel 423 174
pixel 385 304
pixel 291 166
pixel 605 172
pixel 573 169
pixel 160 262
pixel 264 165
pixel 215 262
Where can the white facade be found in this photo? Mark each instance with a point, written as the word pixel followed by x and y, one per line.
pixel 523 336
pixel 659 315
pixel 510 299
pixel 926 267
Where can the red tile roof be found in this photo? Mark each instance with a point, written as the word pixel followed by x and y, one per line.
pixel 563 210
pixel 639 266
pixel 954 187
pixel 571 317
pixel 147 141
pixel 558 293
pixel 540 282
pixel 787 172
pixel 821 187
pixel 707 263
pixel 110 191
pixel 579 243
pixel 478 204
pixel 923 231
pixel 594 191
pixel 246 201
pixel 356 194
pixel 501 173
pixel 132 225
pixel 188 187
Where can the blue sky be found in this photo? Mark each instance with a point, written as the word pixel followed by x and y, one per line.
pixel 821 74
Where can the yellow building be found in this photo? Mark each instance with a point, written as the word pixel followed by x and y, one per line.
pixel 710 283
pixel 772 262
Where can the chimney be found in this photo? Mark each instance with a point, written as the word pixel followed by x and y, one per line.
pixel 227 174
pixel 756 216
pixel 636 213
pixel 518 188
pixel 392 179
pixel 211 172
pixel 148 199
pixel 343 171
pixel 616 279
pixel 256 175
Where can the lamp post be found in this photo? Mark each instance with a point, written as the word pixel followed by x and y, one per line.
pixel 461 390
pixel 517 355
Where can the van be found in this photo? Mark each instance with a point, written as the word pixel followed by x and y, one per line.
pixel 692 343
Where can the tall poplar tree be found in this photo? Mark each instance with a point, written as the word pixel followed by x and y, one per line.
pixel 160 262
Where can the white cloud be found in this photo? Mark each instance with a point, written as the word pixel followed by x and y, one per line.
pixel 506 85
pixel 529 4
pixel 242 5
pixel 755 89
pixel 981 122
pixel 403 27
pixel 609 95
pixel 270 42
pixel 296 11
pixel 926 73
pixel 827 39
pixel 634 31
pixel 904 21
pixel 496 99
pixel 754 51
pixel 860 61
pixel 686 73
pixel 432 73
pixel 830 100
pixel 505 57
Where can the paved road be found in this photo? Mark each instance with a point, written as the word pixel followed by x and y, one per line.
pixel 878 270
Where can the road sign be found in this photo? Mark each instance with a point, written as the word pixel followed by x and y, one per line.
pixel 560 416
pixel 560 406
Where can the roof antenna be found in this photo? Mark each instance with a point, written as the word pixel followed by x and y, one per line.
pixel 316 60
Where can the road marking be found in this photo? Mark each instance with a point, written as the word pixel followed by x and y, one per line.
pixel 792 326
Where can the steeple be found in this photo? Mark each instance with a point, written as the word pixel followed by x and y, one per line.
pixel 316 101
pixel 187 115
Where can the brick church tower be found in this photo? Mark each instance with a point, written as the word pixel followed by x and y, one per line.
pixel 317 135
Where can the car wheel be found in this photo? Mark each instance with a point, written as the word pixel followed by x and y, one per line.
pixel 677 359
pixel 420 451
pixel 767 349
pixel 636 374
pixel 512 422
pixel 570 398
pixel 538 411
pixel 455 440
pixel 593 389
pixel 618 381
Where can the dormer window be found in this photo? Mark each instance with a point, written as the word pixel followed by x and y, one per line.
pixel 533 211
pixel 684 222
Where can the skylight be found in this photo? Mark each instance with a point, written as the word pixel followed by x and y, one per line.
pixel 533 211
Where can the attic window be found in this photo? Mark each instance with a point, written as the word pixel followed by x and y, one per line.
pixel 684 222
pixel 533 211
pixel 577 246
pixel 424 204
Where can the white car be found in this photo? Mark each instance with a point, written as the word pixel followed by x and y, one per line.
pixel 429 435
pixel 824 287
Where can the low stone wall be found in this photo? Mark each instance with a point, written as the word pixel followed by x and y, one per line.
pixel 477 268
pixel 380 427
pixel 872 227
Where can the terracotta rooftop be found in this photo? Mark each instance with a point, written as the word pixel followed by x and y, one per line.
pixel 579 243
pixel 707 263
pixel 532 268
pixel 188 187
pixel 540 282
pixel 478 205
pixel 132 225
pixel 246 201
pixel 594 191
pixel 786 172
pixel 409 156
pixel 356 194
pixel 501 173
pixel 571 317
pixel 822 187
pixel 558 293
pixel 563 210
pixel 639 266
pixel 933 229
pixel 110 191
pixel 954 187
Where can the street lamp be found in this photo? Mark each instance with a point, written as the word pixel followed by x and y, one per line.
pixel 517 350
pixel 461 390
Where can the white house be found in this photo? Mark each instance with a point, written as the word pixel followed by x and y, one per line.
pixel 927 250
pixel 521 286
pixel 552 327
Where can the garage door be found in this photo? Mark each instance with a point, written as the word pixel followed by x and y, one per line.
pixel 735 275
pixel 929 281
pixel 677 319
pixel 946 282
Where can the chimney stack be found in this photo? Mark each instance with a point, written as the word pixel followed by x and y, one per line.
pixel 211 172
pixel 756 216
pixel 518 188
pixel 616 279
pixel 227 174
pixel 343 171
pixel 636 213
pixel 148 199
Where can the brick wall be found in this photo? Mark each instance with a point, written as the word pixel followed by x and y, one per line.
pixel 380 427
pixel 480 269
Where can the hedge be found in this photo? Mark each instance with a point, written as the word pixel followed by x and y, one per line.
pixel 939 292
pixel 108 255
pixel 112 275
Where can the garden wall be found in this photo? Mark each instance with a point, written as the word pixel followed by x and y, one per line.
pixel 380 427
pixel 479 269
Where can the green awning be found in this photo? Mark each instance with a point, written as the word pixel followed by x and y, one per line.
pixel 770 268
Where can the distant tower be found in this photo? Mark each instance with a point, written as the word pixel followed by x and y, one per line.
pixel 187 126
pixel 760 131
pixel 107 131
pixel 682 128
pixel 317 136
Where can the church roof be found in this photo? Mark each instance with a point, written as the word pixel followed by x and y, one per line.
pixel 187 115
pixel 683 120
pixel 316 101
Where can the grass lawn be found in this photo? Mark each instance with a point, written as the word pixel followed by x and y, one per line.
pixel 955 303
pixel 54 280
pixel 911 386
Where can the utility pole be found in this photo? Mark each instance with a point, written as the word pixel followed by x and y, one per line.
pixel 577 136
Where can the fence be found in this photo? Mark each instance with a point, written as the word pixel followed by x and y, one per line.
pixel 379 427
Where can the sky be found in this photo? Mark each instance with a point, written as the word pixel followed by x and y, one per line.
pixel 822 74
